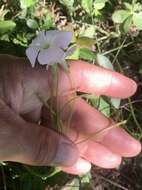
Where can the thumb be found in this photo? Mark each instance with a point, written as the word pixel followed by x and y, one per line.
pixel 43 146
pixel 33 144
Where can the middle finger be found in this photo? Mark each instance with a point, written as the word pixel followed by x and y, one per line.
pixel 87 120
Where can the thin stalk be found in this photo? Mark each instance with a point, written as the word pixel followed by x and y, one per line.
pixel 112 182
pixel 98 45
pixel 51 172
pixel 133 115
pixel 131 107
pixel 117 48
pixel 102 131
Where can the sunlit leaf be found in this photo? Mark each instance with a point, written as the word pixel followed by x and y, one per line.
pixel 42 172
pixel 27 3
pixel 32 24
pixel 48 22
pixel 104 107
pixel 104 62
pixel 128 6
pixel 137 7
pixel 86 54
pixel 75 55
pixel 85 42
pixel 99 4
pixel 72 185
pixel 89 32
pixel 86 178
pixel 67 3
pixel 87 6
pixel 127 24
pixel 120 16
pixel 115 102
pixel 6 26
pixel 137 20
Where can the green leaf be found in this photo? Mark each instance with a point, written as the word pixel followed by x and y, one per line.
pixel 6 26
pixel 137 7
pixel 86 54
pixel 99 4
pixel 115 102
pixel 32 24
pixel 104 107
pixel 87 6
pixel 89 32
pixel 128 6
pixel 104 62
pixel 120 16
pixel 85 42
pixel 68 3
pixel 26 3
pixel 48 22
pixel 42 172
pixel 86 178
pixel 137 20
pixel 72 185
pixel 75 55
pixel 127 24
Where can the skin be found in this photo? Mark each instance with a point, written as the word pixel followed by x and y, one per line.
pixel 24 89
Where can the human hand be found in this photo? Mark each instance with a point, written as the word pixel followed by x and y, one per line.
pixel 25 141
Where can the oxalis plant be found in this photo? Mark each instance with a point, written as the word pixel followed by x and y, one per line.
pixel 53 49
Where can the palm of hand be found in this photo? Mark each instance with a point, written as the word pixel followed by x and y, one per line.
pixel 25 89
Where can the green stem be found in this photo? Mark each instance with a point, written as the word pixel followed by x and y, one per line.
pixel 117 48
pixel 133 115
pixel 50 173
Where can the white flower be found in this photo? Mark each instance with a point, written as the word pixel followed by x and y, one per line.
pixel 50 47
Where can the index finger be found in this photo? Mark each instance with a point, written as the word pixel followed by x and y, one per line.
pixel 89 78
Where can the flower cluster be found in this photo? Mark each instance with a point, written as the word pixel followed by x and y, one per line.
pixel 50 47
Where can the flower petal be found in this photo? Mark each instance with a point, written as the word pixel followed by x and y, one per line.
pixel 51 56
pixel 39 40
pixel 32 53
pixel 59 38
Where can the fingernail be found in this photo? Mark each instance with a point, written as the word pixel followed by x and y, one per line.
pixel 67 153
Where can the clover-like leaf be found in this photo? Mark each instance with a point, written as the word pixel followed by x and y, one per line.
pixel 115 102
pixel 86 54
pixel 6 26
pixel 67 3
pixel 31 23
pixel 85 42
pixel 87 6
pixel 127 24
pixel 137 20
pixel 128 6
pixel 89 32
pixel 104 62
pixel 104 107
pixel 99 4
pixel 27 3
pixel 120 16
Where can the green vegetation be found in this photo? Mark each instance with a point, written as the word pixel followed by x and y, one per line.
pixel 107 33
